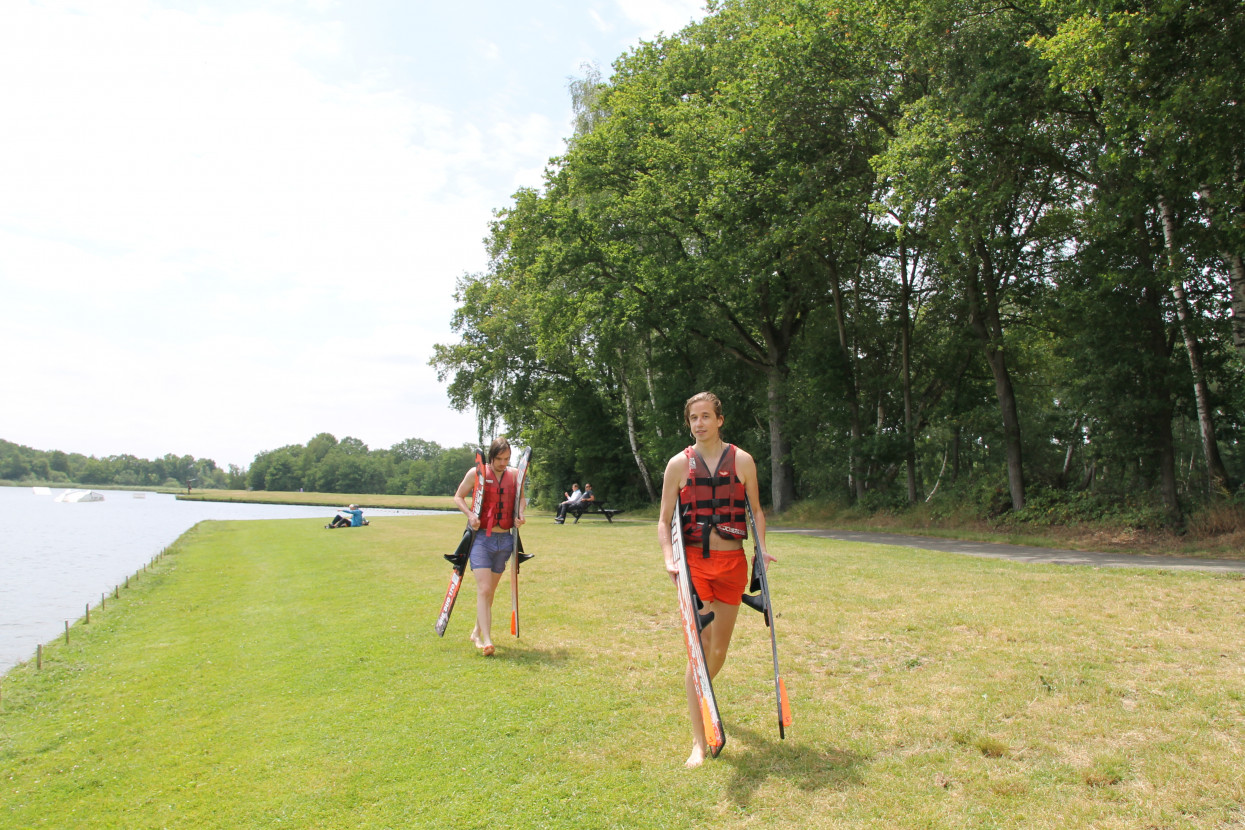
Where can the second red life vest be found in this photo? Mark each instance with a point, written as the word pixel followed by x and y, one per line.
pixel 712 500
pixel 498 508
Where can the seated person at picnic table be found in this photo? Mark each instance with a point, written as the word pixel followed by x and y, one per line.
pixel 574 497
pixel 579 505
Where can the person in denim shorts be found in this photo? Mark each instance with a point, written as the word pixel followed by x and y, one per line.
pixel 493 541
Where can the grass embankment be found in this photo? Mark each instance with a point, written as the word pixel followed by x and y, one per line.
pixel 273 674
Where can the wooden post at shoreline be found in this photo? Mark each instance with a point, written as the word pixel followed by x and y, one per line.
pixel 86 617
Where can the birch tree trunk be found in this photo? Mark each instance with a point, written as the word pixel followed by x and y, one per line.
pixel 1237 264
pixel 853 402
pixel 1236 283
pixel 1067 456
pixel 905 353
pixel 1161 425
pixel 632 437
pixel 1205 417
pixel 648 377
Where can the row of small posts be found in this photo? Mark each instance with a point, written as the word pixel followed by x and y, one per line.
pixel 103 603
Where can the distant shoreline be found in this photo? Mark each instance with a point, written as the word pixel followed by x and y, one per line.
pixel 364 500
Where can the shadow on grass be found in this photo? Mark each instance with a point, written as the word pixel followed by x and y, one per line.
pixel 765 757
pixel 525 656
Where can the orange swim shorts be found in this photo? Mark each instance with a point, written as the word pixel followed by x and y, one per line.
pixel 721 578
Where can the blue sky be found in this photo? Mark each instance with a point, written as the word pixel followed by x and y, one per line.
pixel 227 226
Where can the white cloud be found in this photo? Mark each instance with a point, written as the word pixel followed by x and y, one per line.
pixel 489 51
pixel 600 22
pixel 668 16
pixel 222 231
pixel 174 180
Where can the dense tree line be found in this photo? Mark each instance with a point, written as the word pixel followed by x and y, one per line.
pixel 326 465
pixel 23 464
pixel 987 249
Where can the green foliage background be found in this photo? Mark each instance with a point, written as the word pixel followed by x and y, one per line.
pixel 914 246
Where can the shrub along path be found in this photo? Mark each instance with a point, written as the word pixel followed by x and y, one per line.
pixel 275 674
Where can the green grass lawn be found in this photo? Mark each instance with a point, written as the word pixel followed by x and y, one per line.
pixel 274 674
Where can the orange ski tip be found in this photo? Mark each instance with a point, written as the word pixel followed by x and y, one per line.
pixel 712 733
pixel 786 705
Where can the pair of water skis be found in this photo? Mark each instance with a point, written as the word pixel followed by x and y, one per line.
pixel 460 558
pixel 694 623
pixel 690 605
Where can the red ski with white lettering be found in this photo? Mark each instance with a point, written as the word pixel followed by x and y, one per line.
pixel 462 555
pixel 693 623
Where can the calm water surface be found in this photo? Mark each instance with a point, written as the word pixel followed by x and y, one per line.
pixel 57 557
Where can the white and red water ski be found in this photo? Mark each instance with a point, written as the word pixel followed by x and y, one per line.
pixel 519 557
pixel 460 557
pixel 693 623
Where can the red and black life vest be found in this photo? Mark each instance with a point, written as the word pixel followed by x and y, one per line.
pixel 498 508
pixel 712 500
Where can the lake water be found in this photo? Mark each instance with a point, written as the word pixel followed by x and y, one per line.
pixel 57 557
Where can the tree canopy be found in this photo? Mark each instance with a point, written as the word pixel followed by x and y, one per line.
pixel 990 247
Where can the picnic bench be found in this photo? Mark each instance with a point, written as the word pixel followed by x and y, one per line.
pixel 589 508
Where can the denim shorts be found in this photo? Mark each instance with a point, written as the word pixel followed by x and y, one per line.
pixel 492 552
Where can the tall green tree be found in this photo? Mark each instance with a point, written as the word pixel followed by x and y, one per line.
pixel 1162 81
pixel 998 188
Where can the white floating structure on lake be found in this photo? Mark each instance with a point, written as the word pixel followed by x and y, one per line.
pixel 76 496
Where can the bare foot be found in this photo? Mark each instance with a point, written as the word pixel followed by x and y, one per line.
pixel 488 650
pixel 696 758
pixel 475 639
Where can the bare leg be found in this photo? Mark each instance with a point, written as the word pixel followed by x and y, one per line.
pixel 486 587
pixel 715 640
pixel 700 744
